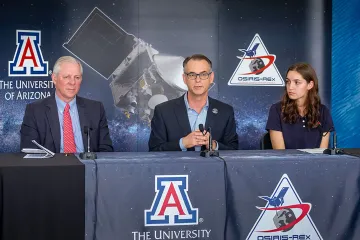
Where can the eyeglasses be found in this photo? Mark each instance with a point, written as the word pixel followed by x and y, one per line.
pixel 193 76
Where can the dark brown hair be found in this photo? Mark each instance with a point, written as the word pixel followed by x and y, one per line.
pixel 197 57
pixel 289 108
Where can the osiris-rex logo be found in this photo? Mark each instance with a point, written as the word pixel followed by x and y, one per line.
pixel 171 205
pixel 28 59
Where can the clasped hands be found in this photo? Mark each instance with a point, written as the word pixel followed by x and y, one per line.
pixel 197 138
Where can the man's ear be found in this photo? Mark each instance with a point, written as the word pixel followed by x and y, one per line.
pixel 54 78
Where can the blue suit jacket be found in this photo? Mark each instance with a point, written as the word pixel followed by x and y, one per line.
pixel 41 123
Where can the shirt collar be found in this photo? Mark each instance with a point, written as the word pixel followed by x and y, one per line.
pixel 61 104
pixel 187 102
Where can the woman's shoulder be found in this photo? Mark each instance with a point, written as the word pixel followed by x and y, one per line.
pixel 323 108
pixel 324 111
pixel 276 107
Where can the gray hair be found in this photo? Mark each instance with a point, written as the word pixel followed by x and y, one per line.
pixel 68 59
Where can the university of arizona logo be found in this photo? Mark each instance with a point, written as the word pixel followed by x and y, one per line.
pixel 171 205
pixel 284 216
pixel 256 67
pixel 28 59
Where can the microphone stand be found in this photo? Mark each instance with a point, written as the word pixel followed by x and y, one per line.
pixel 209 152
pixel 334 150
pixel 88 155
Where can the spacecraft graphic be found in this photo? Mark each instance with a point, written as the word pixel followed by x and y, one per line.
pixel 139 76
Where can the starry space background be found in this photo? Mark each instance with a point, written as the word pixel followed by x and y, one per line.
pixel 177 27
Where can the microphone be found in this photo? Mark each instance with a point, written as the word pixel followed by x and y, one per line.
pixel 208 152
pixel 201 128
pixel 210 139
pixel 88 155
pixel 87 132
pixel 334 150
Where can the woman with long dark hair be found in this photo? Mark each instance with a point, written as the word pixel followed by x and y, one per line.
pixel 299 120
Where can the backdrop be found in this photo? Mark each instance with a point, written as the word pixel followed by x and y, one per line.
pixel 132 53
pixel 346 72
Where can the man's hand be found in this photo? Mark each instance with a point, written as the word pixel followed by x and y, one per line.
pixel 195 138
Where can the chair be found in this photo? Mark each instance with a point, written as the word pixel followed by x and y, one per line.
pixel 265 142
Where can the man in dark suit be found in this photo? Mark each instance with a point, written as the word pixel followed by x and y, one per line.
pixel 175 124
pixel 58 122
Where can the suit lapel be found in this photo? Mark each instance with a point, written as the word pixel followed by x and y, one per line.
pixel 53 120
pixel 182 116
pixel 83 118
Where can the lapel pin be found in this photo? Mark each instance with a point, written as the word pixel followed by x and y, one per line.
pixel 215 111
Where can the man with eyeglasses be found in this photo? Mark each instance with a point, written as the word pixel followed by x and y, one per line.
pixel 175 124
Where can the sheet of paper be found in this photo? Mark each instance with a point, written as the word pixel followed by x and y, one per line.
pixel 43 148
pixel 37 155
pixel 33 150
pixel 313 150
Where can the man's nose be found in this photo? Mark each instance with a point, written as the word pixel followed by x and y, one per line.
pixel 72 81
pixel 197 79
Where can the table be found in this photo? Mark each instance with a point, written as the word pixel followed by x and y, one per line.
pixel 42 199
pixel 129 196
pixel 331 184
pixel 123 186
